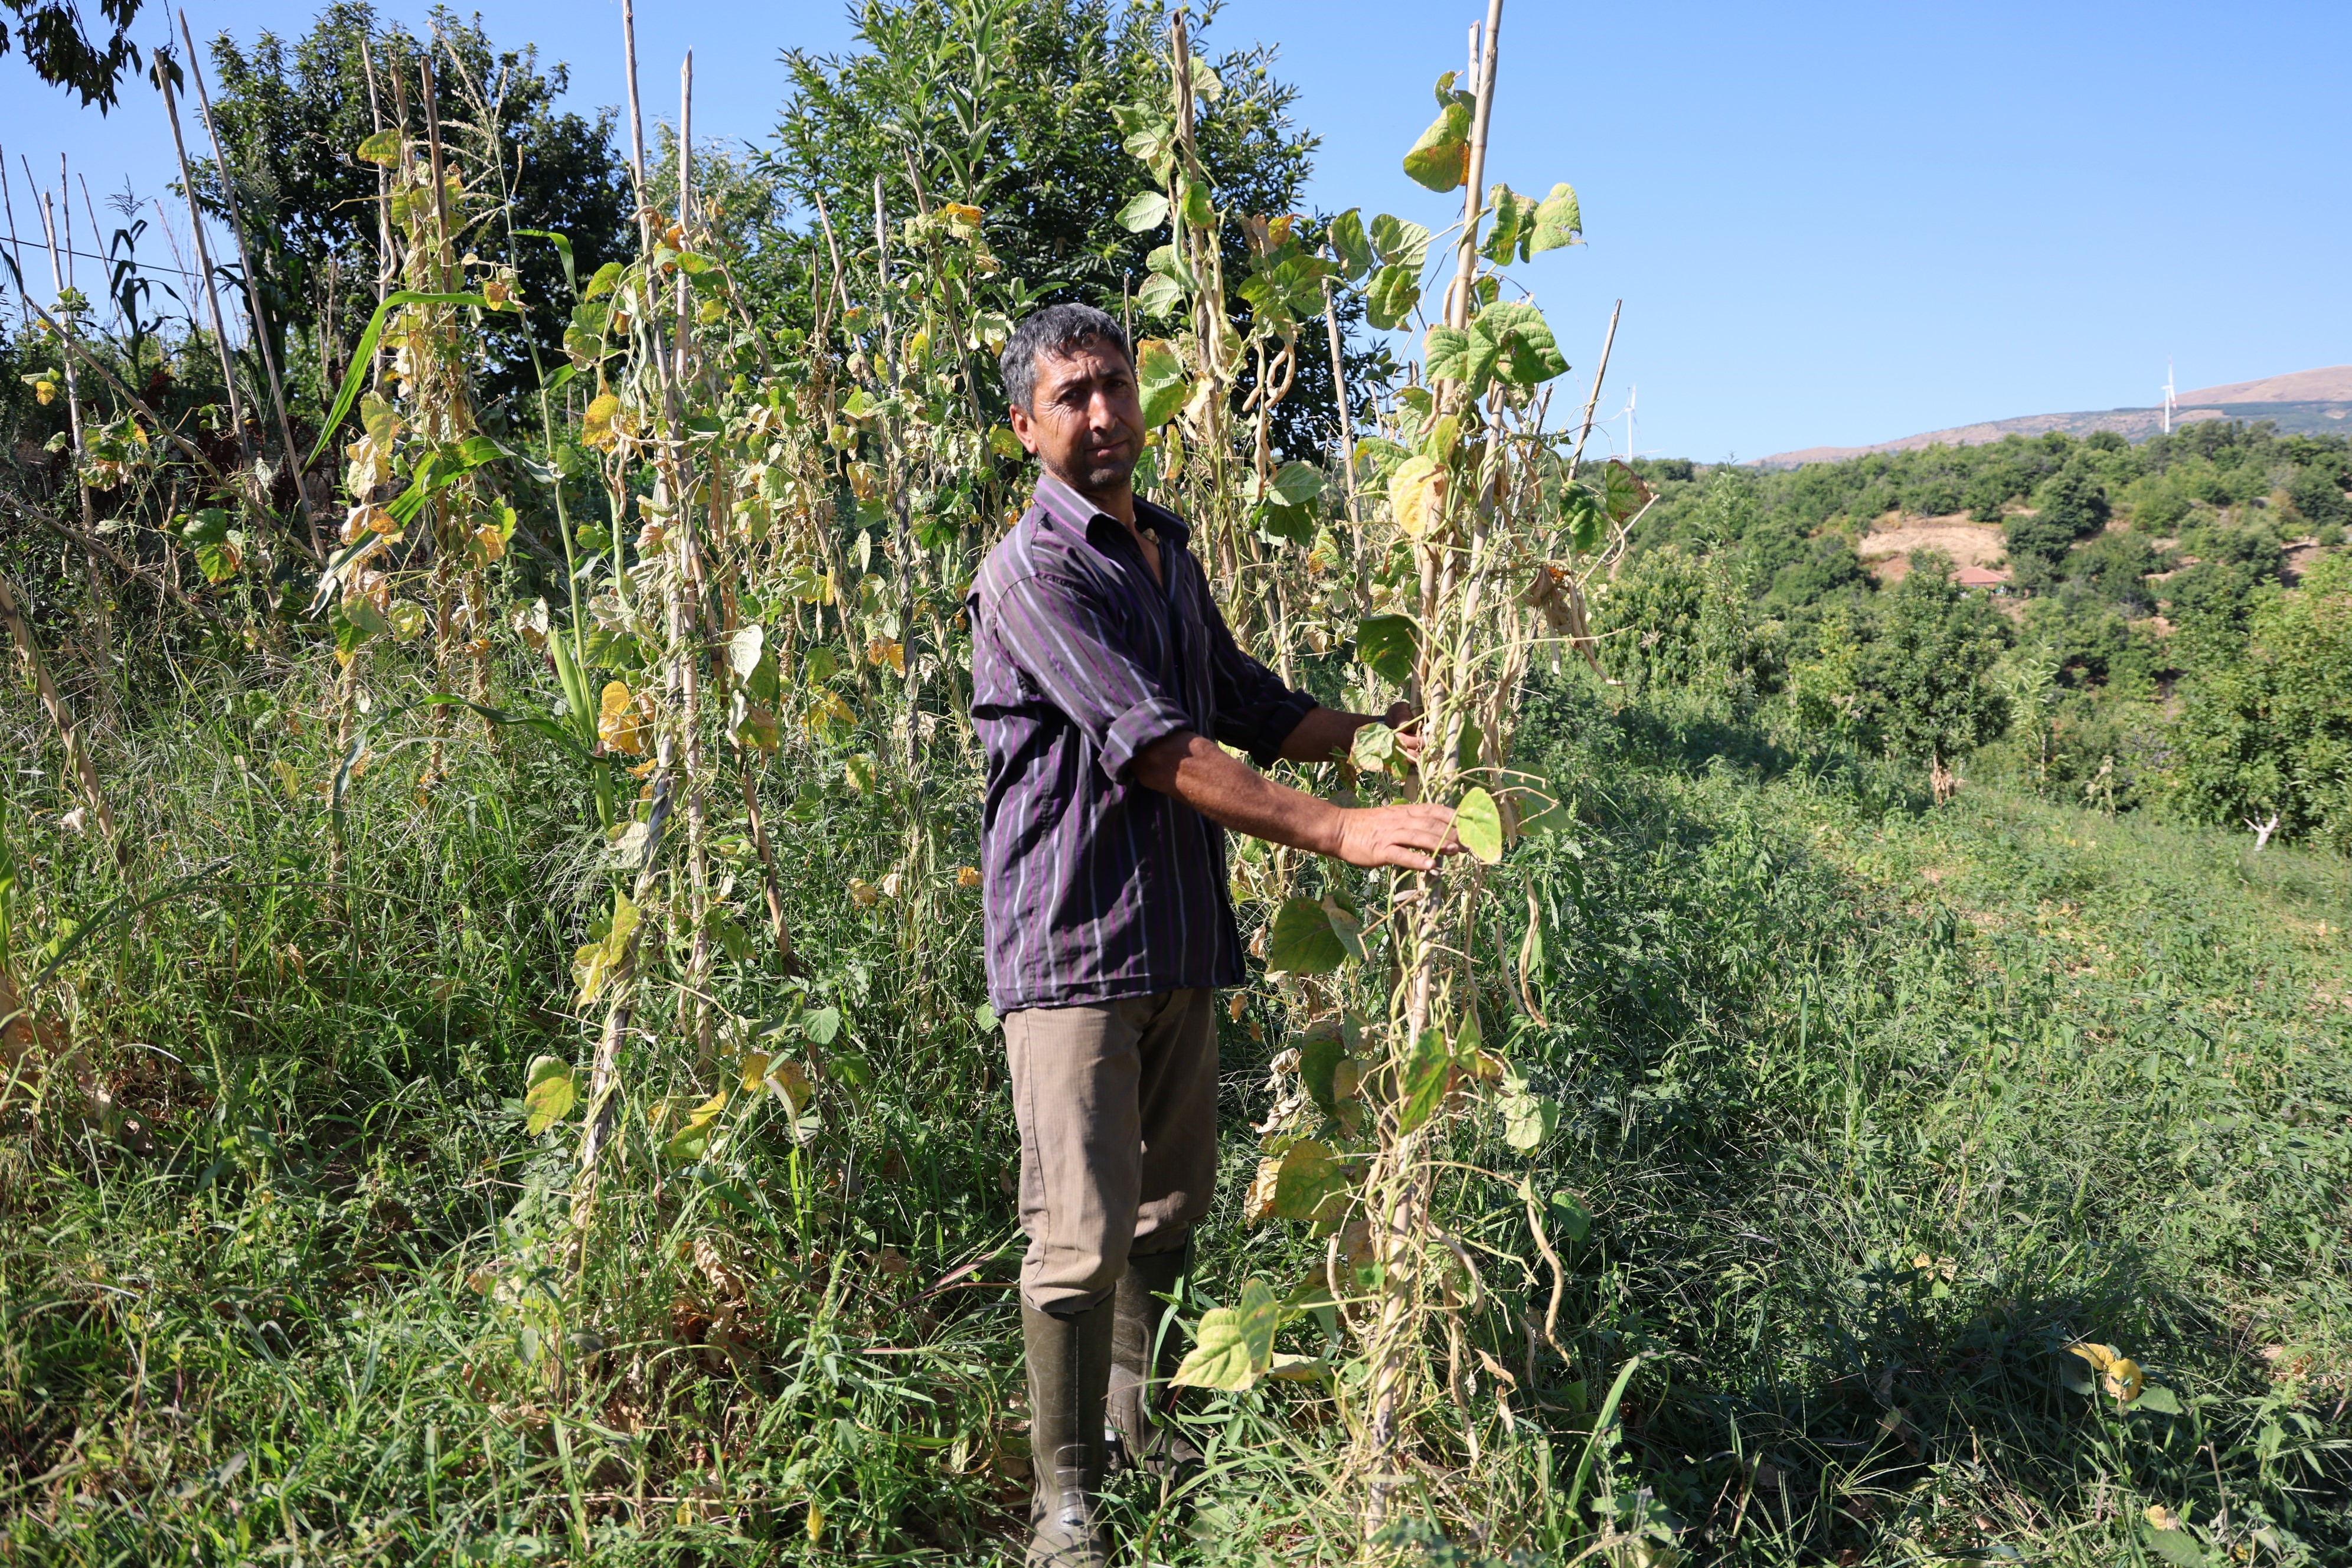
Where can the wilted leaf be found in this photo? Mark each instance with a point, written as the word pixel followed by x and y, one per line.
pixel 1623 491
pixel 287 779
pixel 1417 495
pixel 1374 749
pixel 1388 645
pixel 1478 823
pixel 1307 1179
pixel 619 722
pixel 1302 940
pixel 596 424
pixel 1428 1074
pixel 550 1091
pixel 1441 159
pixel 383 148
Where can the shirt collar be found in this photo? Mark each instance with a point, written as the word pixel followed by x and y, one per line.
pixel 1070 506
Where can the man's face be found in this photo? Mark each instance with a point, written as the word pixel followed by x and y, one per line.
pixel 1086 418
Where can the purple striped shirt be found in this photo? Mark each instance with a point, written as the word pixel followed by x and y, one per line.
pixel 1096 887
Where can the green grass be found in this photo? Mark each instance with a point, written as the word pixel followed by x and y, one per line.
pixel 1873 1111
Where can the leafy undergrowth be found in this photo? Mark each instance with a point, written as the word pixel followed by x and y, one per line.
pixel 1866 1115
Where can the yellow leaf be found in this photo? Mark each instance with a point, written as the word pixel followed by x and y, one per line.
pixel 815 1523
pixel 596 425
pixel 862 893
pixel 2101 1357
pixel 967 877
pixel 1417 495
pixel 2123 1379
pixel 1259 1205
pixel 287 779
pixel 490 544
pixel 2161 1518
pixel 960 211
pixel 618 722
pixel 882 650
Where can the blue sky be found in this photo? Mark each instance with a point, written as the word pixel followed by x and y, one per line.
pixel 1830 224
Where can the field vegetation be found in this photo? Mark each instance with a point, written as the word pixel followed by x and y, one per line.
pixel 493 1060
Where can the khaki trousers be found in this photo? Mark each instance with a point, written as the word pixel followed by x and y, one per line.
pixel 1118 1109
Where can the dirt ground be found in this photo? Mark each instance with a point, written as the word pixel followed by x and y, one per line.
pixel 1886 548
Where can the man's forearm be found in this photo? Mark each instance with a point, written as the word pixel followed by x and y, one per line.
pixel 1323 734
pixel 1198 772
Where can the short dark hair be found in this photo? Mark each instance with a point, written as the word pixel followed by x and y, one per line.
pixel 1057 330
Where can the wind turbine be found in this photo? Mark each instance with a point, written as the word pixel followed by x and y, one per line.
pixel 2169 404
pixel 1631 392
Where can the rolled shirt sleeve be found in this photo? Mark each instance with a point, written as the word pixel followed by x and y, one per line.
pixel 1065 642
pixel 1255 710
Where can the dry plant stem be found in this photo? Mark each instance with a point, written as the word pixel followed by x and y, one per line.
pixel 69 734
pixel 1599 373
pixel 204 265
pixel 770 882
pixel 105 625
pixel 253 294
pixel 603 1073
pixel 1347 422
pixel 687 612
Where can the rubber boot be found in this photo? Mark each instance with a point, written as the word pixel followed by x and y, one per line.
pixel 1069 1372
pixel 1138 1379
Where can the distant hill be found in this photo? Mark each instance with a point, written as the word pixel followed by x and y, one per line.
pixel 2307 402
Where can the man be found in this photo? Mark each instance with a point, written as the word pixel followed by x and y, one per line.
pixel 1103 679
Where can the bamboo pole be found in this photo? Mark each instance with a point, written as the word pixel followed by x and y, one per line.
pixel 204 265
pixel 637 126
pixel 1457 300
pixel 1600 371
pixel 383 248
pixel 253 293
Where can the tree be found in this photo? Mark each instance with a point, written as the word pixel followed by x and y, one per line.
pixel 1917 684
pixel 292 123
pixel 2266 742
pixel 62 54
pixel 1013 100
pixel 2070 505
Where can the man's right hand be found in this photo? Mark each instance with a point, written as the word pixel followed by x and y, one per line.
pixel 1411 836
